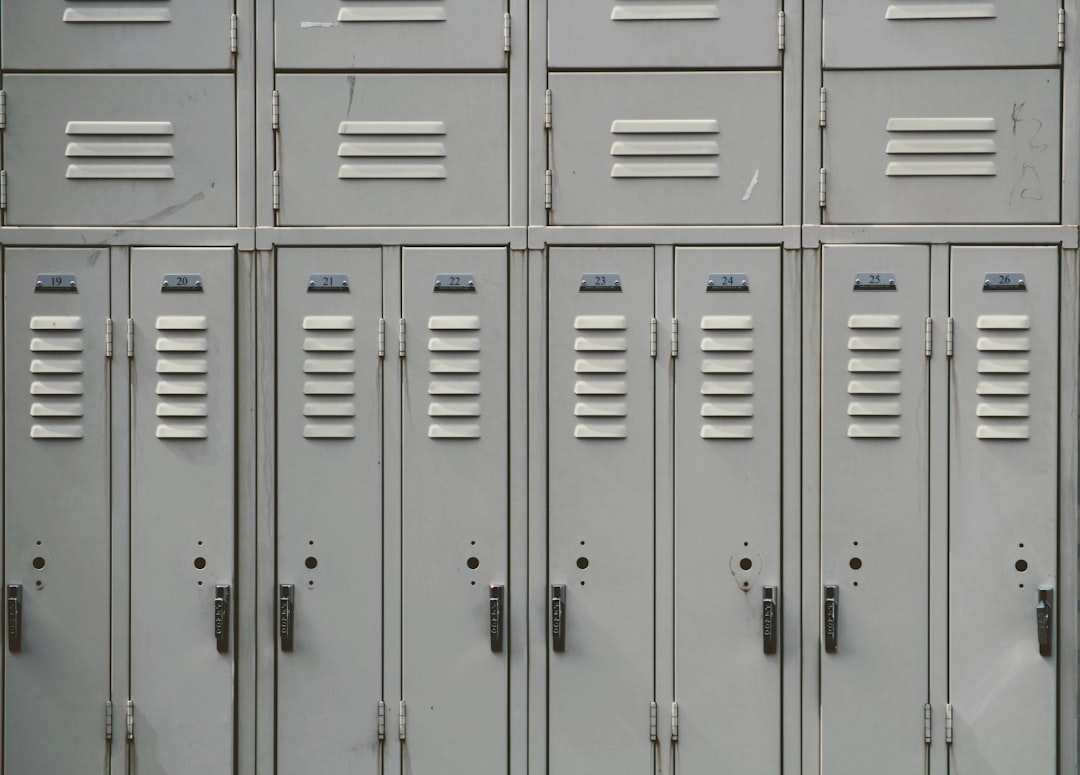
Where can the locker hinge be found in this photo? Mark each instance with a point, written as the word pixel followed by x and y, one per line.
pixel 108 337
pixel 3 109
pixel 822 107
pixel 652 721
pixel 822 191
pixel 401 720
pixel 234 33
pixel 382 337
pixel 948 724
pixel 382 720
pixel 506 33
pixel 781 31
pixel 948 337
pixel 926 723
pixel 652 338
pixel 547 108
pixel 130 338
pixel 3 189
pixel 275 110
pixel 1061 28
pixel 674 337
pixel 277 190
pixel 929 345
pixel 130 720
pixel 547 189
pixel 674 722
pixel 108 719
pixel 401 338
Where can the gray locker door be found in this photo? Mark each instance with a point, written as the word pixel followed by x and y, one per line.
pixel 390 34
pixel 134 150
pixel 183 504
pixel 943 147
pixel 329 507
pixel 874 508
pixel 665 148
pixel 940 33
pixel 56 508
pixel 455 505
pixel 727 507
pixel 399 150
pixel 133 35
pixel 601 466
pixel 648 34
pixel 1003 510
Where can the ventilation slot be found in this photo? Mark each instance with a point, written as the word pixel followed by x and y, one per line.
pixel 56 368
pixel 393 11
pixel 119 12
pixel 919 10
pixel 183 369
pixel 119 150
pixel 874 346
pixel 727 390
pixel 329 377
pixel 1003 407
pixel 454 371
pixel 664 10
pixel 392 150
pixel 680 148
pixel 600 387
pixel 941 147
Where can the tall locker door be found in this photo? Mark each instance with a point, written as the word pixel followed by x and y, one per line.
pixel 874 509
pixel 600 510
pixel 329 509
pixel 455 506
pixel 1003 510
pixel 727 509
pixel 56 509
pixel 183 504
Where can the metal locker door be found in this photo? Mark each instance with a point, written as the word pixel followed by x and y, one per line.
pixel 1003 510
pixel 665 148
pixel 133 150
pixel 139 35
pixel 940 33
pixel 329 507
pixel 56 506
pixel 727 509
pixel 647 34
pixel 183 502
pixel 455 503
pixel 874 508
pixel 600 510
pixel 942 147
pixel 400 150
pixel 390 35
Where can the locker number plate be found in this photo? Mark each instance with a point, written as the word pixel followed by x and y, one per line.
pixel 56 283
pixel 600 282
pixel 728 282
pixel 875 281
pixel 191 283
pixel 455 282
pixel 1004 281
pixel 328 283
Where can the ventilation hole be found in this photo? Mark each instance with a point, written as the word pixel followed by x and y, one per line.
pixel 200 562
pixel 1021 565
pixel 746 563
pixel 39 562
pixel 473 563
pixel 311 563
pixel 583 562
pixel 855 563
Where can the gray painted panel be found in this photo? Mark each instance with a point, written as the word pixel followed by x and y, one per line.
pixel 665 148
pixel 393 149
pixel 182 510
pixel 329 507
pixel 1003 510
pixel 57 508
pixel 875 509
pixel 600 509
pixel 135 150
pixel 727 509
pixel 943 147
pixel 455 505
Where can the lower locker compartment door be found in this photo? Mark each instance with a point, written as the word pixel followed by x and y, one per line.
pixel 183 503
pixel 56 507
pixel 329 509
pixel 455 506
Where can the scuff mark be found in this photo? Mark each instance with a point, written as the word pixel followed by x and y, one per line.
pixel 163 214
pixel 318 25
pixel 750 188
pixel 352 94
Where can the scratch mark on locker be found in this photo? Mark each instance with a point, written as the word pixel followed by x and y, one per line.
pixel 750 188
pixel 163 214
pixel 318 25
pixel 352 93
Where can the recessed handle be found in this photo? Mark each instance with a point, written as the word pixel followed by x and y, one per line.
pixel 286 597
pixel 495 616
pixel 770 618
pixel 558 617
pixel 222 597
pixel 1044 620
pixel 832 617
pixel 14 617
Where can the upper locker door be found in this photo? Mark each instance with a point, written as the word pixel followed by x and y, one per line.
pixel 329 509
pixel 601 465
pixel 665 148
pixel 874 508
pixel 663 33
pixel 455 509
pixel 727 509
pixel 129 35
pixel 940 33
pixel 56 509
pixel 390 34
pixel 183 509
pixel 1003 505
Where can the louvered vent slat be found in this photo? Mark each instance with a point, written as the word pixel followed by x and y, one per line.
pixel 453 384
pixel 182 409
pixel 874 387
pixel 57 365
pixel 328 409
pixel 601 408
pixel 1004 347
pixel 727 407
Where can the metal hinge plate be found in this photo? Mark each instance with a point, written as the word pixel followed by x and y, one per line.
pixel 382 337
pixel 929 342
pixel 547 189
pixel 3 189
pixel 926 723
pixel 674 337
pixel 275 110
pixel 822 107
pixel 506 33
pixel 108 337
pixel 652 721
pixel 108 719
pixel 129 337
pixel 949 337
pixel 401 338
pixel 822 191
pixel 948 725
pixel 130 720
pixel 234 33
pixel 547 108
pixel 401 720
pixel 3 109
pixel 652 337
pixel 382 720
pixel 781 31
pixel 1061 28
pixel 277 190
pixel 674 722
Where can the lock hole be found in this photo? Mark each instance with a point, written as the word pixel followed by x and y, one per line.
pixel 746 564
pixel 473 563
pixel 311 563
pixel 39 583
pixel 855 563
pixel 200 563
pixel 1021 565
pixel 38 563
pixel 583 562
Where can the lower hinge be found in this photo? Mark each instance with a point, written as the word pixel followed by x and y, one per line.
pixel 547 189
pixel 652 721
pixel 781 31
pixel 823 108
pixel 382 721
pixel 401 720
pixel 652 338
pixel 129 337
pixel 130 720
pixel 108 337
pixel 929 344
pixel 108 719
pixel 1061 28
pixel 3 109
pixel 382 337
pixel 234 36
pixel 401 338
pixel 3 189
pixel 275 110
pixel 822 192
pixel 949 337
pixel 276 192
pixel 674 337
pixel 506 33
pixel 926 723
pixel 948 724
pixel 674 722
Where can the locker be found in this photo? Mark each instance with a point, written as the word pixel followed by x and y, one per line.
pixel 56 505
pixel 455 505
pixel 727 508
pixel 182 509
pixel 390 35
pixel 943 147
pixel 940 33
pixel 1003 509
pixel 601 465
pixel 874 508
pixel 137 35
pixel 329 506
pixel 396 150
pixel 648 34
pixel 130 150
pixel 665 148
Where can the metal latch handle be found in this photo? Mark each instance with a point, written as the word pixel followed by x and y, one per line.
pixel 1044 620
pixel 222 597
pixel 286 597
pixel 832 617
pixel 495 616
pixel 770 605
pixel 558 617
pixel 14 617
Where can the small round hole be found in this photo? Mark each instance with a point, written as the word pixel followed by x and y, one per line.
pixel 1021 565
pixel 311 563
pixel 200 582
pixel 854 543
pixel 200 562
pixel 855 583
pixel 1021 586
pixel 746 563
pixel 199 543
pixel 310 543
pixel 473 563
pixel 473 583
pixel 583 562
pixel 745 543
pixel 472 543
pixel 746 584
pixel 39 562
pixel 582 543
pixel 855 563
pixel 583 583
pixel 1021 545
pixel 311 583
pixel 38 543
pixel 39 583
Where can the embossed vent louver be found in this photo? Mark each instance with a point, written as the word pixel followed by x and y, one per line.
pixel 392 150
pixel 874 385
pixel 118 12
pixel 944 147
pixel 1004 386
pixel 183 370
pixel 454 369
pixel 727 407
pixel 664 10
pixel 677 148
pixel 601 407
pixel 329 377
pixel 394 11
pixel 119 150
pixel 56 387
pixel 916 10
